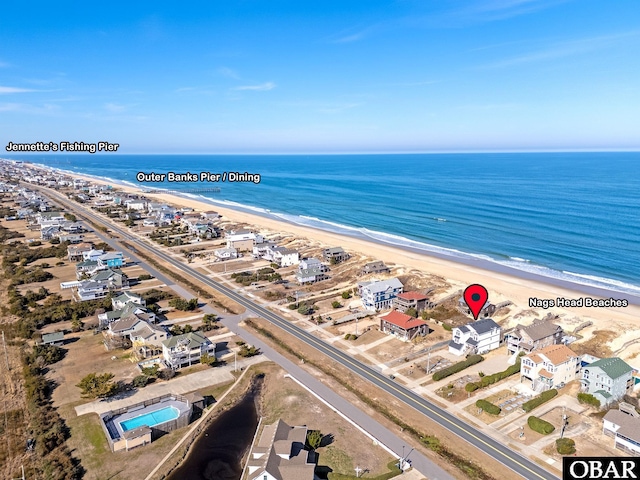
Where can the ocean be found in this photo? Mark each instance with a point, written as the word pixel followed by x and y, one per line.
pixel 569 217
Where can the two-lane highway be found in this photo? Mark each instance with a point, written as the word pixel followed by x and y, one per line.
pixel 502 453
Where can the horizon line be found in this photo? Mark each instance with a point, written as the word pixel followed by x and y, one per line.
pixel 390 152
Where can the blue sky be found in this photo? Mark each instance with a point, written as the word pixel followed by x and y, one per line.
pixel 331 76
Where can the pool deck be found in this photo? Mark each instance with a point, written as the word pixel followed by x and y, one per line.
pixel 180 406
pixel 179 385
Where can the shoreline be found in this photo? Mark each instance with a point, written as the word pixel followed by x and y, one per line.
pixel 502 283
pixel 593 286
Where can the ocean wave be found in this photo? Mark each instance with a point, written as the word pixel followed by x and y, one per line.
pixel 518 259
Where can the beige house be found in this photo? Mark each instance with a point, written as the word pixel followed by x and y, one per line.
pixel 279 454
pixel 550 366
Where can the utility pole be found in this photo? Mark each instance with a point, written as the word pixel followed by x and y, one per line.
pixel 356 326
pixel 235 361
pixel 6 355
pixel 428 359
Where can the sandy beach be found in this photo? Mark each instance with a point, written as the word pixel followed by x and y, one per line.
pixel 623 321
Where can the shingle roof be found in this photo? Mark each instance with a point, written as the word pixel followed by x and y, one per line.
pixel 538 330
pixel 412 296
pixel 557 354
pixel 196 339
pixel 483 326
pixel 613 367
pixel 403 320
pixel 383 285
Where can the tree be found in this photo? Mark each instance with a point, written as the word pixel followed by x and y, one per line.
pixel 76 323
pixel 140 381
pixel 71 217
pixel 207 359
pixel 346 295
pixel 304 309
pixel 98 385
pixel 412 312
pixel 314 439
pixel 336 304
pixel 209 321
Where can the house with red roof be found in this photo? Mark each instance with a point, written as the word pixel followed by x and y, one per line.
pixel 403 326
pixel 405 301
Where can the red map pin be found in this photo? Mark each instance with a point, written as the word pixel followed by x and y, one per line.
pixel 475 296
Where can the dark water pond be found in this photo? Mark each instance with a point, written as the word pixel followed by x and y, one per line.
pixel 218 451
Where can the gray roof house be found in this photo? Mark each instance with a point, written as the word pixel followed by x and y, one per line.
pixel 478 337
pixel 279 454
pixel 608 379
pixel 533 337
pixel 55 338
pixel 625 429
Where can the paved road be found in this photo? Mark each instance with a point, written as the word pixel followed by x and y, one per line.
pixel 511 459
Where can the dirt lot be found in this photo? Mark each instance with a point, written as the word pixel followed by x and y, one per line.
pixel 86 354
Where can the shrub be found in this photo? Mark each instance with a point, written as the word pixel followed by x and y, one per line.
pixel 166 374
pixel 346 295
pixel 588 399
pixel 336 304
pixel 471 387
pixel 486 380
pixel 541 426
pixel 447 327
pixel 144 276
pixel 140 381
pixel 488 407
pixel 565 446
pixel 457 367
pixel 539 400
pixel 184 305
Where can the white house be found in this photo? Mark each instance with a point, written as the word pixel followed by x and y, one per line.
pixel 378 295
pixel 477 337
pixel 607 379
pixel 226 253
pixel 243 240
pixel 127 297
pixel 92 255
pixel 625 429
pixel 285 257
pixel 186 349
pixel 544 369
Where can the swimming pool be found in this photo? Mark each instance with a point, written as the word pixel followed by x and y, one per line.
pixel 151 419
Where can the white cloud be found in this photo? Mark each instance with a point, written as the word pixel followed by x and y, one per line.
pixel 565 49
pixel 114 107
pixel 228 72
pixel 263 87
pixel 9 90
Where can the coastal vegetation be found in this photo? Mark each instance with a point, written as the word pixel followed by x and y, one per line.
pixel 487 380
pixel 587 398
pixel 488 407
pixel 541 426
pixel 539 400
pixel 457 367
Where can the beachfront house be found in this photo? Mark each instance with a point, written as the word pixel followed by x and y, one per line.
pixel 402 326
pixel 279 454
pixel 285 257
pixel 487 310
pixel 478 337
pixel 335 255
pixel 375 267
pixel 261 249
pixel 378 295
pixel 536 336
pixel 624 428
pixel 311 270
pixel 406 300
pixel 186 349
pixel 210 215
pixel 243 240
pixel 549 366
pixel 607 379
